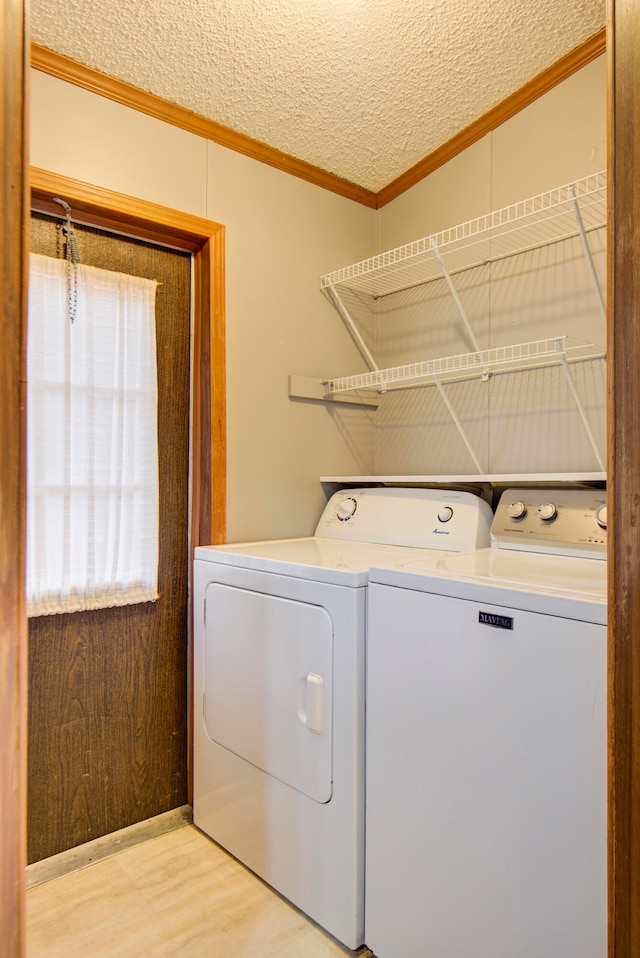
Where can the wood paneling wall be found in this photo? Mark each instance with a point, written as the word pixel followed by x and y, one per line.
pixel 13 266
pixel 624 478
pixel 94 205
pixel 108 688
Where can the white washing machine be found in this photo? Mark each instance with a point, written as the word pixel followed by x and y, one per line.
pixel 279 702
pixel 486 741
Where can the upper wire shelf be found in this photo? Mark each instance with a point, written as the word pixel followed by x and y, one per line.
pixel 529 224
pixel 543 352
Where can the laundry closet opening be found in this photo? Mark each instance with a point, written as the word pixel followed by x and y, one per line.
pixel 107 739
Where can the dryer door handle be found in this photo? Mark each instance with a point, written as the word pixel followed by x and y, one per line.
pixel 311 702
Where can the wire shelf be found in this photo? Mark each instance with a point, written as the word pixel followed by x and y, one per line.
pixel 529 224
pixel 543 352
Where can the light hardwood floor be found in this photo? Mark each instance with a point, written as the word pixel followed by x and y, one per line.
pixel 173 894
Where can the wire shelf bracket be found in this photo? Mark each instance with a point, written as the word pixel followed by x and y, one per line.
pixel 579 406
pixel 351 326
pixel 588 256
pixel 306 387
pixel 454 418
pixel 456 299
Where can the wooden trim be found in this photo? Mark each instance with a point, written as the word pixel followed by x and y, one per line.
pixel 64 68
pixel 624 480
pixel 13 623
pixel 508 108
pixel 106 209
pixel 70 70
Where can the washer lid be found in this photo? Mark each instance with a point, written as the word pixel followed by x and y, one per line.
pixel 529 570
pixel 566 586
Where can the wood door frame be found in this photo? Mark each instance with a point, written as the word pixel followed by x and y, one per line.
pixel 99 207
pixel 14 211
pixel 623 349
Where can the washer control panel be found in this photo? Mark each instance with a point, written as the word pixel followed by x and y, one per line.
pixel 560 521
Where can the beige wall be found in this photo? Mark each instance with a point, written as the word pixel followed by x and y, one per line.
pixel 282 234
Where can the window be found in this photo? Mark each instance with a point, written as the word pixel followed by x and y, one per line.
pixel 92 449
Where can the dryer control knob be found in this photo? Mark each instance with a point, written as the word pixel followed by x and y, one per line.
pixel 516 510
pixel 445 513
pixel 347 509
pixel 601 516
pixel 547 511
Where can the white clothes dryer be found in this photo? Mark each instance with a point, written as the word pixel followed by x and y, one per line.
pixel 486 741
pixel 279 697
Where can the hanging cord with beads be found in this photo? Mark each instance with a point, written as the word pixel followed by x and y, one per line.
pixel 72 257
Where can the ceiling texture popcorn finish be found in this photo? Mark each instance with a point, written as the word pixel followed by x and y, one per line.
pixel 363 89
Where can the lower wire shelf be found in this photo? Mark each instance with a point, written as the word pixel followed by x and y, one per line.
pixel 480 364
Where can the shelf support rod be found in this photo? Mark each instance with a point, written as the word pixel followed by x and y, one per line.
pixel 454 417
pixel 579 406
pixel 588 255
pixel 351 326
pixel 456 299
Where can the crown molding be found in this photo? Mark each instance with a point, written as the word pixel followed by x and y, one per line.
pixel 64 68
pixel 58 65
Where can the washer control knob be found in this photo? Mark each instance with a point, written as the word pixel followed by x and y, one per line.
pixel 346 509
pixel 547 511
pixel 601 515
pixel 445 513
pixel 516 510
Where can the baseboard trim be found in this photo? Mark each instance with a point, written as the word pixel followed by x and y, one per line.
pixel 100 848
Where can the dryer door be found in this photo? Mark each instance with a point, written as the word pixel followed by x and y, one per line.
pixel 268 684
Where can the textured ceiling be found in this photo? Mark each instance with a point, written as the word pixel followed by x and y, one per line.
pixel 361 88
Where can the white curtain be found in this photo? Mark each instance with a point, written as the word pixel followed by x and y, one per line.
pixel 92 449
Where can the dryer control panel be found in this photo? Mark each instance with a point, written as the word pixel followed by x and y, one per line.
pixel 449 519
pixel 559 521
